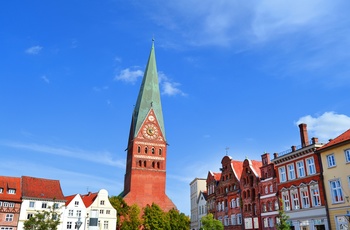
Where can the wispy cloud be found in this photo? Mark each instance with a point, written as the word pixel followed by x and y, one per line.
pixel 129 75
pixel 326 126
pixel 34 50
pixel 45 79
pixel 169 87
pixel 104 157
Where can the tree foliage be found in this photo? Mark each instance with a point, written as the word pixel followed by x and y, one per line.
pixel 178 221
pixel 283 219
pixel 132 221
pixel 122 209
pixel 210 223
pixel 43 220
pixel 155 219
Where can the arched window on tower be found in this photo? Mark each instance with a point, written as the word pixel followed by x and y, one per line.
pixel 153 164
pixel 158 165
pixel 160 151
pixel 144 164
pixel 153 150
pixel 138 149
pixel 140 163
pixel 146 150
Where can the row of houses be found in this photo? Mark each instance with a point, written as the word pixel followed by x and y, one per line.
pixel 310 183
pixel 22 197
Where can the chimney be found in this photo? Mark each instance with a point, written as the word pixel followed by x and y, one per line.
pixel 275 155
pixel 294 148
pixel 303 135
pixel 314 140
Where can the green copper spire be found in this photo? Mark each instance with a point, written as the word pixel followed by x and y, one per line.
pixel 149 96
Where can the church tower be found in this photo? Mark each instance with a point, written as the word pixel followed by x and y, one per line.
pixel 145 176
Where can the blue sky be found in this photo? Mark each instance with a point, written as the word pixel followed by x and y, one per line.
pixel 233 74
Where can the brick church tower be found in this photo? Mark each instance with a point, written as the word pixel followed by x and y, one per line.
pixel 145 176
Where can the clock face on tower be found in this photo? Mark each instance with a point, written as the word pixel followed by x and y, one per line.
pixel 150 131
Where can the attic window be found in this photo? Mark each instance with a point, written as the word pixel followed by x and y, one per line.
pixel 76 203
pixel 102 202
pixel 11 191
pixel 1 190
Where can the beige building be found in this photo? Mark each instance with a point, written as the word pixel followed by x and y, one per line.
pixel 196 186
pixel 335 157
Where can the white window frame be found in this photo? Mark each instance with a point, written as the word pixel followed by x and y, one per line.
pixel 266 222
pixel 9 217
pixel 70 212
pixel 295 199
pixel 286 201
pixel 282 174
pixel 11 191
pixel 336 191
pixel 311 169
pixel 69 225
pixel 239 219
pixel 291 172
pixel 271 188
pixel 304 197
pixel 315 195
pixel 1 190
pixel 331 161
pixel 233 219
pixel 300 168
pixel 31 204
pixel 347 155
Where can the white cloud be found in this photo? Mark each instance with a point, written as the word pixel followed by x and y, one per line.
pixel 104 157
pixel 45 79
pixel 169 87
pixel 34 50
pixel 326 126
pixel 129 75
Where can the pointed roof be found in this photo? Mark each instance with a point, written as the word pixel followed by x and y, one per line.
pixel 149 96
pixel 89 198
pixel 339 139
pixel 7 183
pixel 237 168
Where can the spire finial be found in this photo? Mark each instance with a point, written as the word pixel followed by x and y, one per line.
pixel 227 148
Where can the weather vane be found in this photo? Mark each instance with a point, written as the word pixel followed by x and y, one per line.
pixel 227 148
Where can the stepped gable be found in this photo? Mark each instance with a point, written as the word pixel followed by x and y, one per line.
pixel 41 188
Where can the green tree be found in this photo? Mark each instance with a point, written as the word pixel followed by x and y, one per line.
pixel 155 219
pixel 209 223
pixel 122 209
pixel 43 220
pixel 282 224
pixel 132 221
pixel 178 221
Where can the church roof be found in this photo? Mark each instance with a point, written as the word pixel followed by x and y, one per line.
pixel 149 96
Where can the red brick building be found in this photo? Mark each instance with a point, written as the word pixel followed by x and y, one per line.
pixel 249 184
pixel 10 202
pixel 269 203
pixel 212 183
pixel 300 185
pixel 145 176
pixel 228 208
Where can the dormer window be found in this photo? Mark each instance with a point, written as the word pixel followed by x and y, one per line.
pixel 11 191
pixel 1 190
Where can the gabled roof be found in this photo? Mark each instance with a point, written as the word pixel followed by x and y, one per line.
pixel 149 97
pixel 89 198
pixel 69 198
pixel 339 139
pixel 40 188
pixel 256 166
pixel 216 176
pixel 7 183
pixel 204 194
pixel 237 167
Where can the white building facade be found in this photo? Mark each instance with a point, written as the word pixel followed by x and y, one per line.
pixel 196 186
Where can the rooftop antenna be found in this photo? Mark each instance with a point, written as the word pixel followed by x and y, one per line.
pixel 227 148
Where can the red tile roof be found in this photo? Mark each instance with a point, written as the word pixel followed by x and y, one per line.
pixel 217 176
pixel 69 199
pixel 339 139
pixel 40 188
pixel 237 168
pixel 10 183
pixel 256 166
pixel 89 198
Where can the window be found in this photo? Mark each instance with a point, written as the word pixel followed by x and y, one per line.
pixel 101 211
pixel 347 156
pixel 291 172
pixel 336 191
pixel 138 149
pixel 310 166
pixel 69 225
pixel 305 197
pixel 102 202
pixel 301 169
pixel 266 222
pixel 31 204
pixel 6 204
pixel 105 224
pixel 239 219
pixel 233 219
pixel 6 228
pixel 271 222
pixel 0 203
pixel 295 199
pixel 237 202
pixel 264 207
pixel 11 204
pixel 276 205
pixel 108 211
pixel 266 190
pixel 233 203
pixel 269 205
pixel 44 205
pixel 76 203
pixel 55 205
pixel 9 217
pixel 29 215
pixel 11 191
pixel 271 188
pixel 1 190
pixel 315 195
pixel 78 213
pixel 70 212
pixel 331 160
pixel 285 198
pixel 282 171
